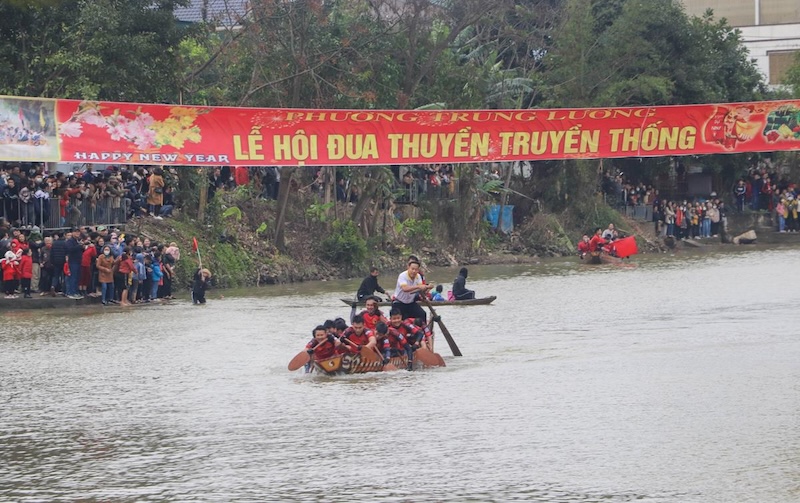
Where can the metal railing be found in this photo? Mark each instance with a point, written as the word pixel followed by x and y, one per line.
pixel 49 213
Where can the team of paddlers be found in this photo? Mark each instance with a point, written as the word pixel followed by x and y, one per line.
pixel 405 330
pixel 371 329
pixel 607 241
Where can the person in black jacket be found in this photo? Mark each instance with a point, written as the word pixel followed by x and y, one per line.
pixel 460 291
pixel 58 257
pixel 74 246
pixel 199 286
pixel 370 285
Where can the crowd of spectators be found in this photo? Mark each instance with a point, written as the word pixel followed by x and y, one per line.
pixel 86 262
pixel 33 197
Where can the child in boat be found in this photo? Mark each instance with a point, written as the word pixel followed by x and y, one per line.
pixel 436 295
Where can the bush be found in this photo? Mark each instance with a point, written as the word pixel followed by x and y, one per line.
pixel 345 246
pixel 421 230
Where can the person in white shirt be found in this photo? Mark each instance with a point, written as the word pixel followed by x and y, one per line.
pixel 409 284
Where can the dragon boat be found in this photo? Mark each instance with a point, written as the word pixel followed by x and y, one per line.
pixel 369 361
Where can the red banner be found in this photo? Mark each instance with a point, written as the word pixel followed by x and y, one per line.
pixel 131 133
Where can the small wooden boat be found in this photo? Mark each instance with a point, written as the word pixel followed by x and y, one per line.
pixel 436 303
pixel 597 257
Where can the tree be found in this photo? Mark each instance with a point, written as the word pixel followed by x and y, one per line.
pixel 121 50
pixel 792 78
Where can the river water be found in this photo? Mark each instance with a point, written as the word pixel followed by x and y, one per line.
pixel 670 379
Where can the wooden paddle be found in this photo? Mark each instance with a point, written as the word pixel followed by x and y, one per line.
pixel 298 361
pixel 389 366
pixel 428 358
pixel 445 332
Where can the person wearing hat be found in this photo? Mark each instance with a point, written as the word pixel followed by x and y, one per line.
pixel 9 266
pixel 460 291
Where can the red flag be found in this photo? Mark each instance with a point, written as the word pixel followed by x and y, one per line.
pixel 625 247
pixel 194 244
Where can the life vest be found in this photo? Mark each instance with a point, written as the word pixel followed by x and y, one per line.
pixel 371 320
pixel 362 340
pixel 409 330
pixel 394 340
pixel 323 350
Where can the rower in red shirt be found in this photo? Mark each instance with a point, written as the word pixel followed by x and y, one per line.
pixel 323 345
pixel 358 335
pixel 393 343
pixel 597 242
pixel 412 333
pixel 372 315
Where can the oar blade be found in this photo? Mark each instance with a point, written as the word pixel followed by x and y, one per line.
pixel 298 361
pixel 427 358
pixel 447 337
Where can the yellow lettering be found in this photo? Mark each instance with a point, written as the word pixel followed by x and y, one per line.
pixel 445 140
pixel 590 141
pixel 335 147
pixel 411 145
pixel 522 141
pixel 687 137
pixel 282 146
pixel 630 140
pixel 650 138
pixel 370 149
pixel 479 145
pixel 668 139
pixel 571 141
pixel 615 134
pixel 461 144
pixel 505 140
pixel 555 140
pixel 427 146
pixel 237 148
pixel 538 142
pixel 255 146
pixel 394 145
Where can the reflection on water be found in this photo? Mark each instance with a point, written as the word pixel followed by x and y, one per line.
pixel 669 379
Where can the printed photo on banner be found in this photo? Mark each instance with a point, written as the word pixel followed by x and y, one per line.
pixel 27 129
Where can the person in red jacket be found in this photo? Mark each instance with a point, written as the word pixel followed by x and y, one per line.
pixel 597 242
pixel 241 174
pixel 26 272
pixel 9 266
pixel 87 261
pixel 583 246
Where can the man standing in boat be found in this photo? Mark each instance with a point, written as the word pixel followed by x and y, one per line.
pixel 409 284
pixel 370 285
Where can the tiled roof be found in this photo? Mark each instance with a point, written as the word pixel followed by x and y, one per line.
pixel 222 12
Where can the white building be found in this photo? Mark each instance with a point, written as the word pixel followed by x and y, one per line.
pixel 770 29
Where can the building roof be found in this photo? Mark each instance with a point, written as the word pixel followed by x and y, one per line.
pixel 221 12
